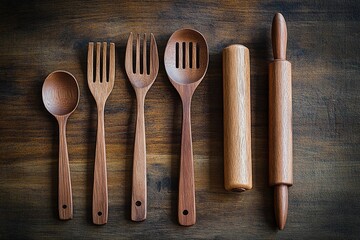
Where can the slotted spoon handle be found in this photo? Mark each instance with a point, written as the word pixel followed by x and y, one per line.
pixel 186 208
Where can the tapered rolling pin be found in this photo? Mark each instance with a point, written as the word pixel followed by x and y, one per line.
pixel 280 121
pixel 237 119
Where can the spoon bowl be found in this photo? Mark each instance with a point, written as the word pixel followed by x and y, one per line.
pixel 60 95
pixel 186 57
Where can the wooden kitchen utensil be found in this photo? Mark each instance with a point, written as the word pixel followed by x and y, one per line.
pixel 60 94
pixel 186 60
pixel 100 88
pixel 141 82
pixel 237 119
pixel 280 121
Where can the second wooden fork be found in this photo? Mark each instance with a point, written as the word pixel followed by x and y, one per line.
pixel 100 88
pixel 141 82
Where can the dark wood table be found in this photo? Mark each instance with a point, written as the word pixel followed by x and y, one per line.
pixel 38 37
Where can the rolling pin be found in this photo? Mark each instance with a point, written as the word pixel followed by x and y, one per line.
pixel 237 118
pixel 280 121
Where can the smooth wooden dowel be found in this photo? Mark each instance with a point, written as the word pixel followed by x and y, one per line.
pixel 65 193
pixel 237 119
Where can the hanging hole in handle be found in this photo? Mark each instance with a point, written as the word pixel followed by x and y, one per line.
pixel 99 213
pixel 185 212
pixel 138 203
pixel 64 206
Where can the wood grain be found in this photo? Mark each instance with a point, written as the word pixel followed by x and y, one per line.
pixel 60 94
pixel 280 124
pixel 38 37
pixel 186 78
pixel 280 121
pixel 237 118
pixel 141 79
pixel 100 88
pixel 65 203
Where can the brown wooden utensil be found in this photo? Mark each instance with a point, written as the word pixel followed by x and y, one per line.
pixel 100 88
pixel 186 60
pixel 237 118
pixel 141 80
pixel 60 94
pixel 280 121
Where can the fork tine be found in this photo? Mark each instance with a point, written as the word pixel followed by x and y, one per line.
pixel 97 77
pixel 112 63
pixel 104 62
pixel 144 55
pixel 154 59
pixel 90 63
pixel 137 54
pixel 129 66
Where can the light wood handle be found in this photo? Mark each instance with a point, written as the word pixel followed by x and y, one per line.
pixel 100 191
pixel 65 194
pixel 280 123
pixel 139 192
pixel 237 119
pixel 186 208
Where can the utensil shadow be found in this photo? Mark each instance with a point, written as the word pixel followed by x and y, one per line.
pixel 260 56
pixel 214 89
pixel 175 152
pixel 90 130
pixel 54 153
pixel 130 138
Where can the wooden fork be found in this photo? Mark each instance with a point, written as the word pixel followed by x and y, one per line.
pixel 141 82
pixel 100 89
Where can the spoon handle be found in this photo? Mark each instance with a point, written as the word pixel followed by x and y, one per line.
pixel 65 194
pixel 100 191
pixel 139 201
pixel 186 208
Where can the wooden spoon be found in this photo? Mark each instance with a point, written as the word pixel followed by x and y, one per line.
pixel 186 60
pixel 61 95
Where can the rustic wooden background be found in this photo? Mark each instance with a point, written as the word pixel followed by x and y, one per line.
pixel 37 37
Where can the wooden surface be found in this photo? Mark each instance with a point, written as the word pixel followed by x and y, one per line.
pixel 237 118
pixel 38 37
